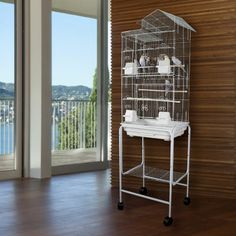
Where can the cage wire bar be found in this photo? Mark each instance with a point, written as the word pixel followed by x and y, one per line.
pixel 155 86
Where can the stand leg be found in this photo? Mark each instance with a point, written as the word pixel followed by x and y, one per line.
pixel 168 219
pixel 143 160
pixel 187 199
pixel 188 160
pixel 171 173
pixel 120 203
pixel 143 189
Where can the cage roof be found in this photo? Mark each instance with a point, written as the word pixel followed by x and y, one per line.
pixel 156 19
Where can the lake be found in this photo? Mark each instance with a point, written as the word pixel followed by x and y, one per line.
pixel 7 138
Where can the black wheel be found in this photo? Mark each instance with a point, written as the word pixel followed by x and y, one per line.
pixel 143 190
pixel 120 205
pixel 168 221
pixel 186 201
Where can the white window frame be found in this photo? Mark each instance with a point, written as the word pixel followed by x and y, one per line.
pixel 102 99
pixel 17 171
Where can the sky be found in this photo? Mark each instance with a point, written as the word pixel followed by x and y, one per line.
pixel 74 47
pixel 6 43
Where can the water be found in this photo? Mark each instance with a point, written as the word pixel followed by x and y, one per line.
pixel 6 138
pixel 55 137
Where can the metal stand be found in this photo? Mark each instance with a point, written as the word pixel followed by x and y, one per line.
pixel 155 174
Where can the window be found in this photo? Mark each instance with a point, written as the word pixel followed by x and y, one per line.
pixel 76 90
pixel 10 92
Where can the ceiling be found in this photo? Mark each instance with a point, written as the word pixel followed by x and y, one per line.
pixel 7 1
pixel 78 7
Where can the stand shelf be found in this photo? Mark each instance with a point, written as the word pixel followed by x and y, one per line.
pixel 156 174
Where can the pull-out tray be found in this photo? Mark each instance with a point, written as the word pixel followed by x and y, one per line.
pixel 152 128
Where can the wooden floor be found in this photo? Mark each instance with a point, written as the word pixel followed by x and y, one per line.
pixel 85 205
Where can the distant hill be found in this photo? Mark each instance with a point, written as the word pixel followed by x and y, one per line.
pixel 80 92
pixel 59 92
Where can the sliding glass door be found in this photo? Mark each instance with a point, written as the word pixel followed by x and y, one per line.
pixel 76 88
pixel 10 89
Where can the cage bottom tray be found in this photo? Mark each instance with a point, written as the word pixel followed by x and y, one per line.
pixel 152 128
pixel 157 174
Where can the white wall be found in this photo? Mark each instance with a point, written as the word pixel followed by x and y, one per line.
pixel 40 88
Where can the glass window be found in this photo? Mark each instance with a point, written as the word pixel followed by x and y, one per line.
pixel 74 86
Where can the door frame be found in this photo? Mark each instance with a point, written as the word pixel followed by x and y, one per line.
pixel 102 100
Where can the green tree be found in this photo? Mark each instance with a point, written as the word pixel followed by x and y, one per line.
pixel 69 128
pixel 72 125
pixel 93 95
pixel 91 116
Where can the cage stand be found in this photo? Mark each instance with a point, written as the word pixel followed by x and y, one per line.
pixel 164 176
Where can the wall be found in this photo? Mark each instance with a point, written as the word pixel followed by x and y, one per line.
pixel 40 88
pixel 213 90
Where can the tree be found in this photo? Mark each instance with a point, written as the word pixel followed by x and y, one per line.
pixel 91 116
pixel 69 130
pixel 77 120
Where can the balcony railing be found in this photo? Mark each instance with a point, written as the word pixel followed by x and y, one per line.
pixel 7 126
pixel 73 124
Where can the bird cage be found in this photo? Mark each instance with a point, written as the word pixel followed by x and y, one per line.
pixel 155 62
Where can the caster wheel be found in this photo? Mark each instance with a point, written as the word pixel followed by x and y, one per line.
pixel 143 190
pixel 186 201
pixel 120 205
pixel 168 221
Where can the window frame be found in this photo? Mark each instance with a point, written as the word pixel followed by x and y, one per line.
pixel 102 99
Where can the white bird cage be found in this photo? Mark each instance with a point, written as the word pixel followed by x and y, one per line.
pixel 155 97
pixel 155 63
